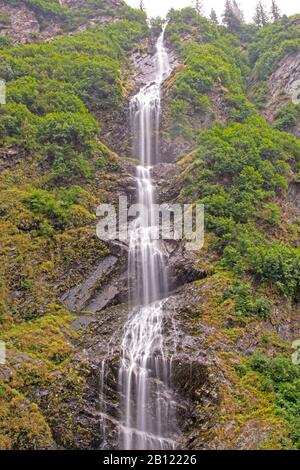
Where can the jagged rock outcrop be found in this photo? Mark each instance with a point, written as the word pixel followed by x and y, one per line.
pixel 25 22
pixel 211 397
pixel 22 24
pixel 284 86
pixel 291 203
pixel 195 376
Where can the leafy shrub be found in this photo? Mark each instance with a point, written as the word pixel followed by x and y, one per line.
pixel 245 304
pixel 68 166
pixel 55 206
pixel 277 264
pixel 67 128
pixel 24 91
pixel 287 117
pixel 260 94
pixel 238 107
pixel 4 19
pixel 42 202
pixel 270 213
pixel 18 123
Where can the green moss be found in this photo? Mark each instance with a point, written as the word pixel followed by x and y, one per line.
pixel 39 357
pixel 22 424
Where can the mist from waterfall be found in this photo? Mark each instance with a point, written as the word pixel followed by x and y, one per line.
pixel 148 420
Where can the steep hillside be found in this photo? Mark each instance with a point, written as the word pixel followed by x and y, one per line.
pixel 246 174
pixel 274 54
pixel 54 173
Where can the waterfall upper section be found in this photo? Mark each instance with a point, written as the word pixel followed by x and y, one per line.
pixel 145 110
pixel 145 374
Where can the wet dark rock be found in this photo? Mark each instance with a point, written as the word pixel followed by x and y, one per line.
pixel 183 267
pixel 115 131
pixel 195 375
pixel 167 180
pixel 106 285
pixel 10 156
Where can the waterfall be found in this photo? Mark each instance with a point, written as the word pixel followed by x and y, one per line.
pixel 148 420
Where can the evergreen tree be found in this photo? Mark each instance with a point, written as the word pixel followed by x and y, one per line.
pixel 198 7
pixel 285 20
pixel 261 16
pixel 142 5
pixel 213 16
pixel 238 12
pixel 227 15
pixel 256 17
pixel 233 17
pixel 264 14
pixel 275 12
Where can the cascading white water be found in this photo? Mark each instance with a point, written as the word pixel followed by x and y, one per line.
pixel 144 375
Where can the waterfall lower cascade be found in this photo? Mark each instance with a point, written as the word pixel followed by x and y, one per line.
pixel 148 420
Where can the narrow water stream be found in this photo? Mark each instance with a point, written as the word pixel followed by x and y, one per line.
pixel 148 420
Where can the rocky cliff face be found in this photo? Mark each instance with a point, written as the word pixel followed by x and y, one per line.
pixel 284 87
pixel 23 25
pixel 116 130
pixel 24 22
pixel 195 375
pixel 216 407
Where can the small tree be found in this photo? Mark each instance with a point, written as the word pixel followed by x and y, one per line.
pixel 227 13
pixel 264 14
pixel 233 16
pixel 237 11
pixel 213 16
pixel 285 20
pixel 256 17
pixel 275 12
pixel 142 5
pixel 261 16
pixel 198 7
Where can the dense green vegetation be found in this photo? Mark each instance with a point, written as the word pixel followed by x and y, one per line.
pixel 213 60
pixel 52 89
pixel 54 173
pixel 266 47
pixel 240 169
pixel 287 117
pixel 71 18
pixel 282 377
pixel 243 168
